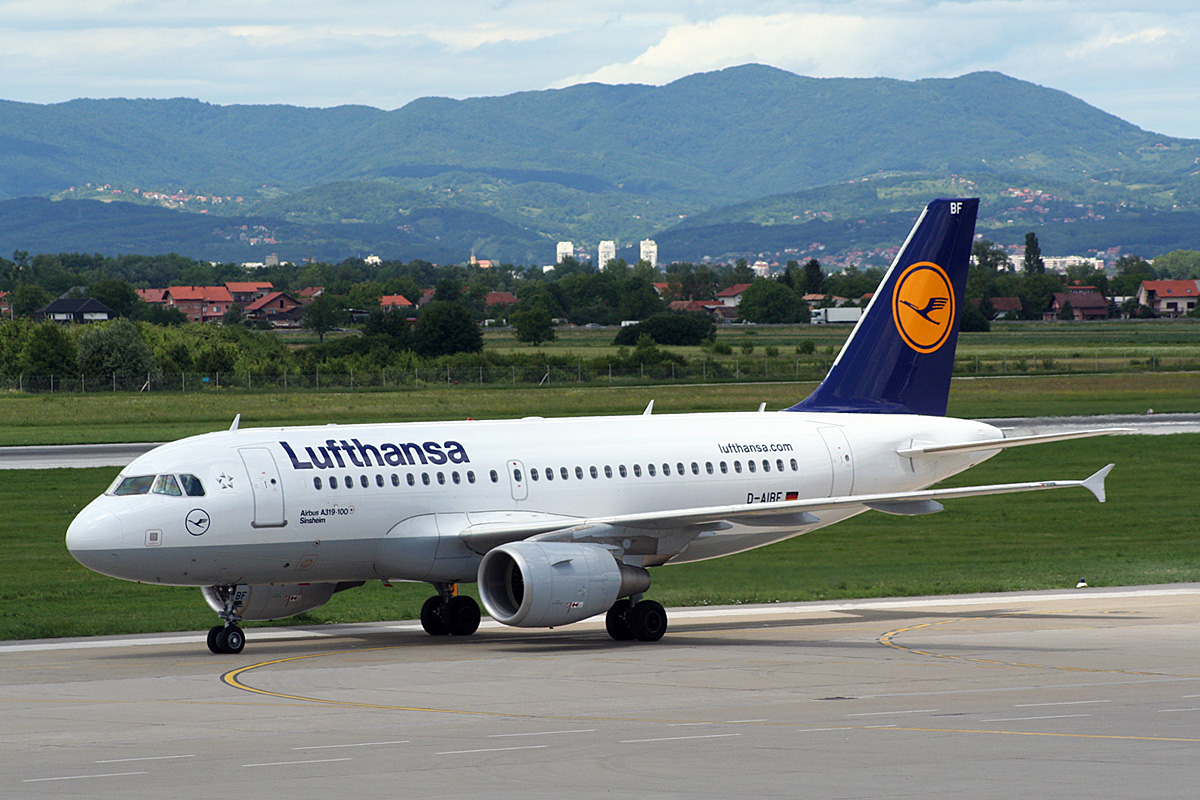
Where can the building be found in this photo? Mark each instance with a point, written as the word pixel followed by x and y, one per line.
pixel 246 292
pixel 761 269
pixel 1084 306
pixel 152 295
pixel 1169 298
pixel 564 250
pixel 606 252
pixel 731 296
pixel 1059 264
pixel 499 299
pixel 648 252
pixel 277 308
pixel 5 304
pixel 200 303
pixel 75 309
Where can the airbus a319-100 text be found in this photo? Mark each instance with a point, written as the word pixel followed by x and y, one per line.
pixel 561 519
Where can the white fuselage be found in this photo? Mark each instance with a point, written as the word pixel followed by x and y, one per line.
pixel 368 502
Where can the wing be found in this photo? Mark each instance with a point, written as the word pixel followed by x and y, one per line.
pixel 675 528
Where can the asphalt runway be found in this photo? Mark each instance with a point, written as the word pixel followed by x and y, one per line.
pixel 1076 693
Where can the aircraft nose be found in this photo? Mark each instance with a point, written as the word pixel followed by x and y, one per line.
pixel 94 538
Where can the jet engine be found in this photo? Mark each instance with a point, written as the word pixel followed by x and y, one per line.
pixel 272 601
pixel 544 584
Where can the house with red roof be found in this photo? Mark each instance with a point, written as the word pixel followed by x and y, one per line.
pixel 246 292
pixel 394 301
pixel 152 295
pixel 499 299
pixel 199 303
pixel 277 308
pixel 1169 298
pixel 732 295
pixel 1084 305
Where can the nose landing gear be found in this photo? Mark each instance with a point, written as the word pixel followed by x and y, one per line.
pixel 228 639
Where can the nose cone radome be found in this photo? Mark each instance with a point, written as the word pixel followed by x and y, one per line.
pixel 95 539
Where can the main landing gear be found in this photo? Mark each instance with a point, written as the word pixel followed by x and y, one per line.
pixel 645 620
pixel 450 614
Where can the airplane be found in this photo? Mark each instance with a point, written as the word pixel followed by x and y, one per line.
pixel 562 519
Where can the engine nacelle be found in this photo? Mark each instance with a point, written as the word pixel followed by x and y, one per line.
pixel 272 601
pixel 545 584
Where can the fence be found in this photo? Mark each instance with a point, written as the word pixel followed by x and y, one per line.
pixel 731 370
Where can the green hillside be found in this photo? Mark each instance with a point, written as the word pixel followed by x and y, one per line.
pixel 747 146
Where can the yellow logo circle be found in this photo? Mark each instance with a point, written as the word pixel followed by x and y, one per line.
pixel 923 306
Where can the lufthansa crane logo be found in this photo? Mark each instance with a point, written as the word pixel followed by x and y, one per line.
pixel 923 306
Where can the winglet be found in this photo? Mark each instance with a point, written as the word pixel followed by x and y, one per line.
pixel 1095 484
pixel 649 409
pixel 236 420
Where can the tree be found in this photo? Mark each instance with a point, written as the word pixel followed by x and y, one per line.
pixel 1178 264
pixel 117 351
pixel 1066 312
pixel 769 301
pixel 1034 265
pixel 533 325
pixel 1131 271
pixel 991 257
pixel 814 278
pixel 670 327
pixel 28 298
pixel 974 320
pixel 323 315
pixel 48 350
pixel 444 328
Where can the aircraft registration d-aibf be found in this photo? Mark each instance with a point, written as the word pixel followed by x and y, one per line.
pixel 559 520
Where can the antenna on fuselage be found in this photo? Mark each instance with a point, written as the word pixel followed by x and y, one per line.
pixel 236 420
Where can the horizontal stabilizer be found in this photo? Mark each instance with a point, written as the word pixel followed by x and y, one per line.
pixel 908 508
pixel 926 451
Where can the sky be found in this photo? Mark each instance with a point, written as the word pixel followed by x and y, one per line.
pixel 1137 60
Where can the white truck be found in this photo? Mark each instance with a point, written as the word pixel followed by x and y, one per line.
pixel 820 316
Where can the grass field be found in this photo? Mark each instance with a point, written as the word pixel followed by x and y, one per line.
pixel 1144 534
pixel 130 417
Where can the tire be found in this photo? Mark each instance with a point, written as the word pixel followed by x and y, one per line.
pixel 235 640
pixel 648 620
pixel 461 615
pixel 431 617
pixel 617 620
pixel 221 640
pixel 213 632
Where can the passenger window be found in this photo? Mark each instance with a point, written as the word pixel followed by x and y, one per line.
pixel 470 476
pixel 192 486
pixel 348 482
pixel 766 465
pixel 666 469
pixel 517 475
pixel 135 484
pixel 724 468
pixel 679 468
pixel 395 479
pixel 363 480
pixel 333 481
pixel 533 474
pixel 563 472
pixel 412 480
pixel 695 468
pixel 454 476
pixel 621 469
pixel 494 476
pixel 607 471
pixel 795 466
pixel 708 467
pixel 593 471
pixel 650 470
pixel 737 467
pixel 316 481
pixel 379 480
pixel 441 479
pixel 750 466
pixel 166 484
pixel 425 478
pixel 637 470
pixel 579 473
pixel 779 464
pixel 549 473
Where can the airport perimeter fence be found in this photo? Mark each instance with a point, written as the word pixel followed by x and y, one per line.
pixel 737 370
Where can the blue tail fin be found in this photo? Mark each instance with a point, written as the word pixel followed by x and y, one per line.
pixel 899 357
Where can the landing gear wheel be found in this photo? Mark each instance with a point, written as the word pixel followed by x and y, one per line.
pixel 461 615
pixel 617 620
pixel 234 639
pixel 432 619
pixel 213 632
pixel 648 621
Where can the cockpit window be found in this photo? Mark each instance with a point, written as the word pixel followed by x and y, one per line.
pixel 134 484
pixel 192 485
pixel 166 484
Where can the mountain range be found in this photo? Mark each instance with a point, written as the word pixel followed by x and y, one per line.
pixel 749 160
